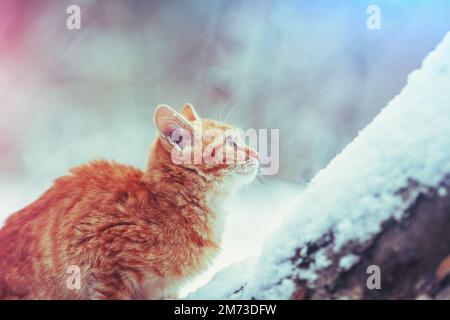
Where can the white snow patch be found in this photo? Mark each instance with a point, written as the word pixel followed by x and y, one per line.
pixel 358 190
pixel 348 261
pixel 227 283
pixel 442 192
pixel 320 262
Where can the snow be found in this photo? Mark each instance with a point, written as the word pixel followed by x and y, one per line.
pixel 321 261
pixel 227 283
pixel 348 261
pixel 408 142
pixel 442 192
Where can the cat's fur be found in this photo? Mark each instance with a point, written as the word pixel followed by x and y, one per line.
pixel 133 234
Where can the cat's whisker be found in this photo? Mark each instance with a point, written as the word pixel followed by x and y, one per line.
pixel 227 118
pixel 222 109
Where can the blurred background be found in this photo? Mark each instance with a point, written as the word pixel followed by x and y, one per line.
pixel 311 69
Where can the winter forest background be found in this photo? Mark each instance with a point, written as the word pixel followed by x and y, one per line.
pixel 311 69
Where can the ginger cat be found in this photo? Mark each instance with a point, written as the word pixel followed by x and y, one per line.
pixel 132 234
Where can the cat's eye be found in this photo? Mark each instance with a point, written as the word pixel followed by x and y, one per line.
pixel 181 139
pixel 178 141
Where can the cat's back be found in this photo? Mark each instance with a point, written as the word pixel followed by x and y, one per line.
pixel 95 182
pixel 32 238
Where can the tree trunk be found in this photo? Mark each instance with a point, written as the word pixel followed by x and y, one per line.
pixel 413 256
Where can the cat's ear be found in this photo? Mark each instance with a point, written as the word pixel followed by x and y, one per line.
pixel 170 124
pixel 189 112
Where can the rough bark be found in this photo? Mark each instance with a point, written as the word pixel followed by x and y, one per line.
pixel 413 254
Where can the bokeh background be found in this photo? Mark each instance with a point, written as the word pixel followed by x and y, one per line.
pixel 309 68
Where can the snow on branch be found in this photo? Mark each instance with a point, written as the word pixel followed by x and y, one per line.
pixel 383 201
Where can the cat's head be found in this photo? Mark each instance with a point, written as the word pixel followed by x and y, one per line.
pixel 211 149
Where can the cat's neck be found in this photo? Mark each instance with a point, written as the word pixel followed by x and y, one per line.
pixel 184 186
pixel 186 194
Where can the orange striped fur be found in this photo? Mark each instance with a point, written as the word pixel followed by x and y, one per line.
pixel 133 234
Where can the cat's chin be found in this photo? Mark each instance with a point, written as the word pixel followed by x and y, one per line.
pixel 243 176
pixel 250 176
